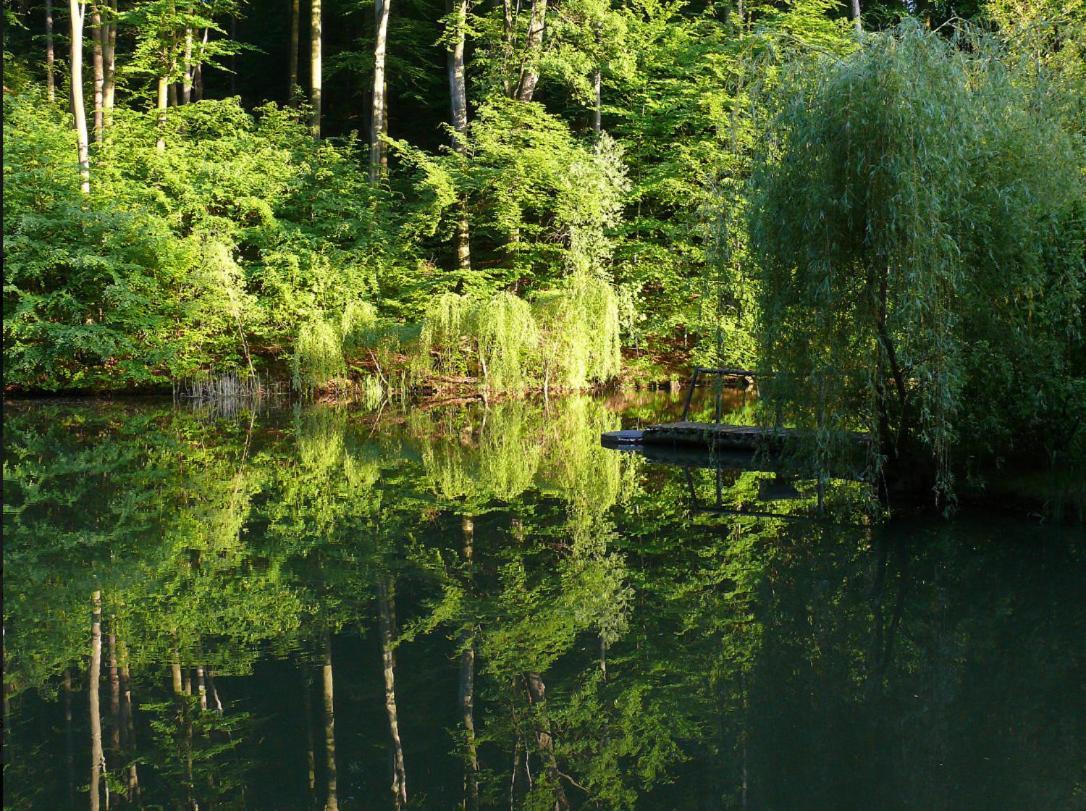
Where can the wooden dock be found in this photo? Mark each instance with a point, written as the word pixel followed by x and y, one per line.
pixel 711 436
pixel 700 434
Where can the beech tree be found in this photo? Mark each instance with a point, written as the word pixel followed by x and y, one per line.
pixel 77 14
pixel 315 68
pixel 378 120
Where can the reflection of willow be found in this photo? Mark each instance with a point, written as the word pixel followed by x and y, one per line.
pixel 504 449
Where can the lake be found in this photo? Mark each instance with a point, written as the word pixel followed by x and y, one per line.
pixel 467 607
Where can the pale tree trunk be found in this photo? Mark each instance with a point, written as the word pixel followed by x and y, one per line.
pixel 98 757
pixel 378 126
pixel 163 100
pixel 77 13
pixel 50 58
pixel 201 686
pixel 856 23
pixel 597 110
pixel 315 68
pixel 99 70
pixel 509 23
pixel 458 97
pixel 109 65
pixel 292 57
pixel 387 623
pixel 467 684
pixel 529 72
pixel 172 90
pixel 331 802
pixel 186 79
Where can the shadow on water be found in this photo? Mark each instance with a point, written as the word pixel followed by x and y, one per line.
pixel 481 608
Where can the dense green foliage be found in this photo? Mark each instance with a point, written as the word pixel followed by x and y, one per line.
pixel 920 225
pixel 626 189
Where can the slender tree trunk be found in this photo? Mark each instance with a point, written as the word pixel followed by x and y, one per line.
pixel 856 23
pixel 198 70
pixel 78 10
pixel 50 58
pixel 597 110
pixel 458 97
pixel 378 126
pixel 163 100
pixel 331 802
pixel 97 35
pixel 467 684
pixel 387 623
pixel 533 43
pixel 94 672
pixel 315 68
pixel 507 42
pixel 109 65
pixel 172 91
pixel 292 57
pixel 186 78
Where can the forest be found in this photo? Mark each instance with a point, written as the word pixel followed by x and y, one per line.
pixel 883 205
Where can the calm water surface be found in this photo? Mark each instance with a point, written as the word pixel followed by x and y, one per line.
pixel 318 608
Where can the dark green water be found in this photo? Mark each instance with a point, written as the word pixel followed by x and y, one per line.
pixel 616 635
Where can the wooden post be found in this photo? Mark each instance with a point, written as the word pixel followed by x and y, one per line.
pixel 690 393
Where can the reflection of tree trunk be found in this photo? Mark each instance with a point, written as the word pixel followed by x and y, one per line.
pixel 129 734
pixel 332 802
pixel 69 741
pixel 201 686
pixel 387 622
pixel 467 681
pixel 311 750
pixel 98 756
pixel 114 696
pixel 213 692
pixel 545 743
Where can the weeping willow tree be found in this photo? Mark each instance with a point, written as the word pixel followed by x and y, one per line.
pixel 318 355
pixel 579 334
pixel 917 223
pixel 568 338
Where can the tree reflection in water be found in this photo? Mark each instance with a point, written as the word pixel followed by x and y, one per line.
pixel 516 617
